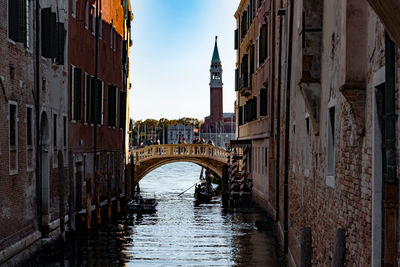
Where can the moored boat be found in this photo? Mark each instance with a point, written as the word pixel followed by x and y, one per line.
pixel 142 205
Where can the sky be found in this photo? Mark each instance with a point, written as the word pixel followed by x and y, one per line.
pixel 173 42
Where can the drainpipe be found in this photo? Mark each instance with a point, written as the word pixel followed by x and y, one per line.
pixel 281 12
pixel 38 162
pixel 287 120
pixel 390 195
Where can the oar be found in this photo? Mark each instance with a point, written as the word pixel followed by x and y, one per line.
pixel 201 173
pixel 187 189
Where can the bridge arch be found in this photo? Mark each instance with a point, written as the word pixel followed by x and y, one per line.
pixel 152 157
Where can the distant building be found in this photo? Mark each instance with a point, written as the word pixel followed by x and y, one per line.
pixel 182 131
pixel 218 126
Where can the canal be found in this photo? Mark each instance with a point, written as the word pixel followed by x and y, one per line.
pixel 178 234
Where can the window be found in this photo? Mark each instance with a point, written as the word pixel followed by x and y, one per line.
pixel 73 9
pixel 65 131
pixel 263 44
pixel 97 101
pixel 17 20
pixel 101 24
pixel 266 158
pixel 331 142
pixel 87 14
pixel 264 102
pixel 94 20
pixel 13 126
pixel 29 140
pixel 307 147
pixel 53 36
pixel 76 83
pixel 112 105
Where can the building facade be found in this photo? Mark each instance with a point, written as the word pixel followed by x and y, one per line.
pixel 254 87
pixel 46 84
pixel 325 163
pixel 180 131
pixel 34 140
pixel 98 91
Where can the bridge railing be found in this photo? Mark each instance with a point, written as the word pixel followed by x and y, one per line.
pixel 179 150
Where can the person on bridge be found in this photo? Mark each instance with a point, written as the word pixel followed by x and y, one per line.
pixel 158 141
pixel 180 140
pixel 184 141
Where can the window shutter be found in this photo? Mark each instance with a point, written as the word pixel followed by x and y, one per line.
pixel 264 46
pixel 13 20
pixel 241 115
pixel 61 33
pixel 72 83
pixel 245 113
pixel 85 97
pixel 46 32
pixel 254 108
pixel 264 102
pixel 122 110
pixel 102 103
pixel 124 51
pixel 100 24
pixel 21 21
pixel 53 36
pixel 97 98
pixel 88 98
pixel 111 105
pixel 78 92
pixel 236 39
pixel 236 79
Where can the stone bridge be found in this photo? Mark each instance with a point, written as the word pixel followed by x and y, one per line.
pixel 151 157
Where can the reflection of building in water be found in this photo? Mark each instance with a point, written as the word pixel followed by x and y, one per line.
pixel 218 126
pixel 180 130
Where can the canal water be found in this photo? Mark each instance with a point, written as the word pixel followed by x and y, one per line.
pixel 180 233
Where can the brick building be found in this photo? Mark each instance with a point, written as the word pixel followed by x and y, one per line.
pixel 253 91
pixel 34 115
pixel 47 116
pixel 98 91
pixel 331 178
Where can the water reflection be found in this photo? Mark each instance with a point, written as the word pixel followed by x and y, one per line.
pixel 178 234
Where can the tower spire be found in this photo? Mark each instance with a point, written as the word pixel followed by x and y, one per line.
pixel 215 57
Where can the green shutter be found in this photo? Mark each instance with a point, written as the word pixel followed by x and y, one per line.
pixel 45 33
pixel 122 111
pixel 21 21
pixel 77 93
pixel 53 36
pixel 13 20
pixel 61 33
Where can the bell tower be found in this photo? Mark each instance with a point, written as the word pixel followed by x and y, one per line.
pixel 216 108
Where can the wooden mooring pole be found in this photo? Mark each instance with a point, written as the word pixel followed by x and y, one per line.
pixel 117 190
pixel 109 192
pixel 88 201
pixel 97 192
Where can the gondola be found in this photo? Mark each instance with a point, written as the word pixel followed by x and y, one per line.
pixel 203 192
pixel 142 205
